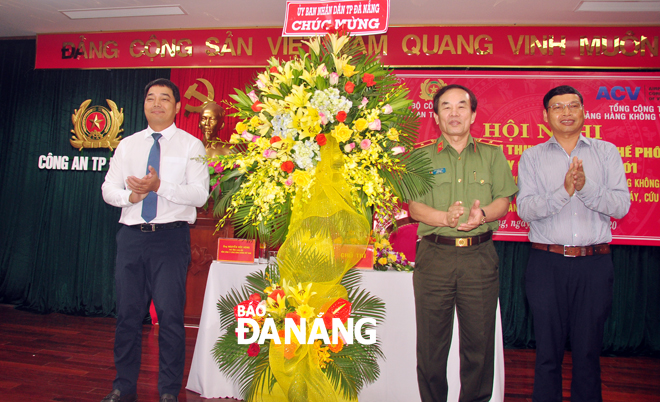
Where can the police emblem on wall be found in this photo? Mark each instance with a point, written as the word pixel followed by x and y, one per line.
pixel 96 126
pixel 429 87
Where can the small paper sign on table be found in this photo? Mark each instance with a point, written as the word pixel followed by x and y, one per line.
pixel 236 250
pixel 367 262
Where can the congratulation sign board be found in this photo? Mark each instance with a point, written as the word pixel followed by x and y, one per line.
pixel 621 108
pixel 359 17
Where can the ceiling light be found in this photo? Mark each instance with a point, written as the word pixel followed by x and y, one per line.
pixel 619 6
pixel 114 12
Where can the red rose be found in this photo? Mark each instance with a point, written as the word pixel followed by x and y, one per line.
pixel 349 87
pixel 275 139
pixel 256 107
pixel 273 69
pixel 253 349
pixel 256 297
pixel 368 79
pixel 295 317
pixel 287 166
pixel 321 140
pixel 341 116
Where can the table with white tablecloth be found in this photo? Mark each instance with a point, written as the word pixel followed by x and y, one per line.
pixel 398 377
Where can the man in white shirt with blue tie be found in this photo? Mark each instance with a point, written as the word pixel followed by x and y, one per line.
pixel 157 178
pixel 570 186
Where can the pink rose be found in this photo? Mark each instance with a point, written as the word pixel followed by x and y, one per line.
pixel 289 181
pixel 334 78
pixel 247 136
pixel 365 144
pixel 349 147
pixel 387 109
pixel 324 119
pixel 398 150
pixel 364 103
pixel 269 153
pixel 253 97
pixel 374 125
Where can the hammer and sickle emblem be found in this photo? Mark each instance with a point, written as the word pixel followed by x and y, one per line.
pixel 194 93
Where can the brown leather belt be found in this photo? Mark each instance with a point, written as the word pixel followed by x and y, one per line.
pixel 459 241
pixel 573 251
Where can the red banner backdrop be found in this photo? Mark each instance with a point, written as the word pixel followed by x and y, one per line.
pixel 623 109
pixel 359 17
pixel 222 83
pixel 419 46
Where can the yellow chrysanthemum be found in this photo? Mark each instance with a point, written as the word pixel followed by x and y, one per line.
pixel 263 143
pixel 342 133
pixel 382 261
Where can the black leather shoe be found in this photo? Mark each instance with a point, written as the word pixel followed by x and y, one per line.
pixel 116 396
pixel 168 398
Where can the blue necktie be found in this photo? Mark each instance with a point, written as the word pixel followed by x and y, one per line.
pixel 150 204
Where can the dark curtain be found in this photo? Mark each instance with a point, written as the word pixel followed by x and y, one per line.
pixel 57 246
pixel 634 324
pixel 57 236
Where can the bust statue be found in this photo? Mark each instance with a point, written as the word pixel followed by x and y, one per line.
pixel 211 120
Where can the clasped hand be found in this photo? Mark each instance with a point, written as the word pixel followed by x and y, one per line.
pixel 456 210
pixel 575 178
pixel 142 187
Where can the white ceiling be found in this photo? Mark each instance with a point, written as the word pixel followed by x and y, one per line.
pixel 26 18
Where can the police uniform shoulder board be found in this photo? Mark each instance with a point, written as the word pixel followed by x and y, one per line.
pixel 426 143
pixel 486 141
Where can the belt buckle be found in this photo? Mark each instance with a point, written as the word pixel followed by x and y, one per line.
pixel 148 227
pixel 463 241
pixel 568 255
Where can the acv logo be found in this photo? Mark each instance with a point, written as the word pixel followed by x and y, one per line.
pixel 618 93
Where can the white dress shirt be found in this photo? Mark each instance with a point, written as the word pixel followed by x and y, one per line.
pixel 184 176
pixel 581 220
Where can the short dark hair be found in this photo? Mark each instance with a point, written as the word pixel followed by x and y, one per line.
pixel 560 90
pixel 163 82
pixel 441 91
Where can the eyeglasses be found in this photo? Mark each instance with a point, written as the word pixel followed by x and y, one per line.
pixel 559 107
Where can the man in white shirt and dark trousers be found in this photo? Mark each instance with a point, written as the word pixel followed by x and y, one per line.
pixel 155 178
pixel 570 186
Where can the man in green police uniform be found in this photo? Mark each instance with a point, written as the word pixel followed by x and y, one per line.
pixel 456 264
